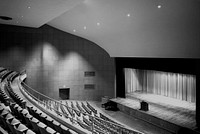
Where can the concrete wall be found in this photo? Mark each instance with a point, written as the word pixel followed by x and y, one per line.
pixel 54 59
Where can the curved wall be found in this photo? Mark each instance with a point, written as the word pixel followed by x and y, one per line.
pixel 54 59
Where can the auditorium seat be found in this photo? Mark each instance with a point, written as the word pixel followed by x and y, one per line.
pixel 11 123
pixel 28 117
pixel 15 96
pixel 56 126
pixel 12 105
pixel 64 111
pixel 51 131
pixel 91 108
pixel 15 109
pixel 20 128
pixel 2 107
pixel 4 112
pixel 44 129
pixel 87 121
pixel 65 130
pixel 37 114
pixel 29 107
pixel 34 123
pixel 8 116
pixel 69 110
pixel 49 121
pixel 29 132
pixel 24 112
pixel 3 118
pixel 75 110
pixel 41 123
pixel 43 117
pixel 83 125
pixel 80 108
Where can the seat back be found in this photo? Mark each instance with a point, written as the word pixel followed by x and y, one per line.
pixel 42 127
pixel 34 123
pixel 11 123
pixel 30 132
pixel 20 128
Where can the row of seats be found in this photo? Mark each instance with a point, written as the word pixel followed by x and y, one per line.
pixel 3 96
pixel 21 102
pixel 109 126
pixel 85 115
pixel 2 73
pixel 21 114
pixel 12 124
pixel 5 76
pixel 70 110
pixel 48 120
pixel 86 109
pixel 84 122
pixel 15 96
pixel 102 124
pixel 83 125
pixel 77 111
pixel 101 127
pixel 7 120
pixel 41 122
pixel 91 108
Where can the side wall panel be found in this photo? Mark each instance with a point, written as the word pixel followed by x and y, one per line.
pixel 55 59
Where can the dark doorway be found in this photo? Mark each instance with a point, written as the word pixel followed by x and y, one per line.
pixel 64 93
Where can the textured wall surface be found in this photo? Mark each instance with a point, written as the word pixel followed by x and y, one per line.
pixel 54 59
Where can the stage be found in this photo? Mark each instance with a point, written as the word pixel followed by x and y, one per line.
pixel 168 113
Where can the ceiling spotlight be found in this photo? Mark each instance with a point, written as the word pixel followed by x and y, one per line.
pixel 22 16
pixel 74 30
pixel 159 6
pixel 128 15
pixel 85 27
pixel 29 7
pixel 98 24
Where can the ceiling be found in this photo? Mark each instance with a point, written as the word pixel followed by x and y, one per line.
pixel 124 28
pixel 34 13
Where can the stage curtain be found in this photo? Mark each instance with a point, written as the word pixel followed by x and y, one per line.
pixel 131 81
pixel 174 85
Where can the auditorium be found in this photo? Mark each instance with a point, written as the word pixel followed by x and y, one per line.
pixel 99 67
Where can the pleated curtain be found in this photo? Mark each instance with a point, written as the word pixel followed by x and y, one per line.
pixel 174 85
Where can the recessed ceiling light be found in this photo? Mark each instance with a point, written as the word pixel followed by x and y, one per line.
pixel 74 30
pixel 128 15
pixel 98 24
pixel 17 22
pixel 29 7
pixel 85 27
pixel 159 6
pixel 22 16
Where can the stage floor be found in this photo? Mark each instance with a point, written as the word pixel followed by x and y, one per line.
pixel 181 113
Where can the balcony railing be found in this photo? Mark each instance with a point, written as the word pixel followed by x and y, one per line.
pixel 94 125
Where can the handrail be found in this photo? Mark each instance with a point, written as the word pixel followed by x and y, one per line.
pixel 73 119
pixel 68 106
